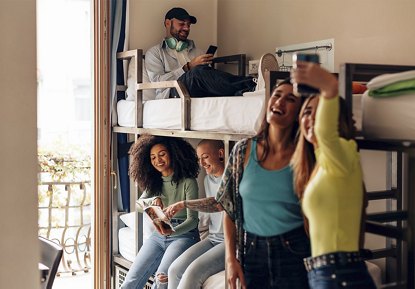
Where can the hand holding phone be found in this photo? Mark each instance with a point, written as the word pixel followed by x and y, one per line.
pixel 212 49
pixel 302 89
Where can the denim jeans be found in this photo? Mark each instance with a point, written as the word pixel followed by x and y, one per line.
pixel 156 255
pixel 203 80
pixel 198 263
pixel 352 276
pixel 276 262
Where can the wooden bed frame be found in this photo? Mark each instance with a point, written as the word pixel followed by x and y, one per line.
pixel 185 132
pixel 400 256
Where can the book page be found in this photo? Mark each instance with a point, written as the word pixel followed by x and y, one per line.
pixel 157 215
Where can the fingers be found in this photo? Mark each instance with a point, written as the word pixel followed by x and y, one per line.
pixel 232 283
pixel 203 59
pixel 157 202
pixel 170 211
pixel 242 280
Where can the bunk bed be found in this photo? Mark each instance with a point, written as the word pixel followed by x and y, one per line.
pixel 399 248
pixel 230 124
pixel 388 125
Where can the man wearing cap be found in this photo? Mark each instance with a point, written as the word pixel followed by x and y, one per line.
pixel 177 58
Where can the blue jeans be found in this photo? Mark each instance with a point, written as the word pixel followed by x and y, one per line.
pixel 276 262
pixel 156 255
pixel 198 263
pixel 352 276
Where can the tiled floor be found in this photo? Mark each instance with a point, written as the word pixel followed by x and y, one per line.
pixel 79 281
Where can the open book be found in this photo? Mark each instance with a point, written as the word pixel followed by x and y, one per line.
pixel 157 215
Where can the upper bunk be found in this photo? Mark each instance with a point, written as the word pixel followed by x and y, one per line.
pixel 384 122
pixel 225 118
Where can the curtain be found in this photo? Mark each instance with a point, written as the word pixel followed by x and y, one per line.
pixel 119 42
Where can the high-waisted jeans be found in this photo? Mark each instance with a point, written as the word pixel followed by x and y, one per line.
pixel 351 276
pixel 156 255
pixel 276 262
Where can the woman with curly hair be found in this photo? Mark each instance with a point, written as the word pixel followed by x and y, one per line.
pixel 165 170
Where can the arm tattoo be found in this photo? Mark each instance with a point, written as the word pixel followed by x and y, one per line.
pixel 207 205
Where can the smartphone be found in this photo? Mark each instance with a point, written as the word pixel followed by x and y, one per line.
pixel 302 89
pixel 212 49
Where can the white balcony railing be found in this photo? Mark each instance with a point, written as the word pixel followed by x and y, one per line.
pixel 65 216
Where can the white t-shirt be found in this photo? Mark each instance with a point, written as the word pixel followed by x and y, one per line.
pixel 215 219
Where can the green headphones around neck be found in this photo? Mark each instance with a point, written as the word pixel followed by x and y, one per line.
pixel 177 45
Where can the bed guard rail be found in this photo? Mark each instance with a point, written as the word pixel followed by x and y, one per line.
pixel 137 56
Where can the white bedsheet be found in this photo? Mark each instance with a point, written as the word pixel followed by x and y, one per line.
pixel 389 118
pixel 216 281
pixel 126 243
pixel 223 114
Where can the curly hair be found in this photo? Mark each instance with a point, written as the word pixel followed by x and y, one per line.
pixel 183 161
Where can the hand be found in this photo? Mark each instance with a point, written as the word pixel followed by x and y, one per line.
pixel 314 75
pixel 157 202
pixel 234 272
pixel 173 209
pixel 201 60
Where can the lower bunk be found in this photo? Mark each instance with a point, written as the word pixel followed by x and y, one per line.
pixel 126 239
pixel 127 250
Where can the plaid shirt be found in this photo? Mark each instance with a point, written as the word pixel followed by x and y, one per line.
pixel 228 194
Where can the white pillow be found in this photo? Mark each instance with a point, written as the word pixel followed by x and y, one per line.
pixel 129 219
pixel 386 79
pixel 148 94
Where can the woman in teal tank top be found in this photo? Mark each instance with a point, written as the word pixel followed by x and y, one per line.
pixel 265 238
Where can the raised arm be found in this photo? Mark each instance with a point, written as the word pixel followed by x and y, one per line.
pixel 314 75
pixel 335 153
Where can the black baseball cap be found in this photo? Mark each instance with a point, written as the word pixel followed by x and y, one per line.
pixel 181 14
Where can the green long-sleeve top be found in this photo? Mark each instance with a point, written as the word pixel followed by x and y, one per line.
pixel 185 189
pixel 333 198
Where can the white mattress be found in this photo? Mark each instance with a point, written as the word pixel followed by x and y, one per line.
pixel 216 281
pixel 126 243
pixel 390 118
pixel 225 114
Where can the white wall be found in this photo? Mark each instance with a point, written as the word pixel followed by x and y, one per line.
pixel 18 166
pixel 371 31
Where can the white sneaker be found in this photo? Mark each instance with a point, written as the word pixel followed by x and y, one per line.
pixel 267 62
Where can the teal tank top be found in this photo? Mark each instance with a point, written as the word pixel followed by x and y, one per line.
pixel 270 206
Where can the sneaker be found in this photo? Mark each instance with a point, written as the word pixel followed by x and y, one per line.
pixel 267 62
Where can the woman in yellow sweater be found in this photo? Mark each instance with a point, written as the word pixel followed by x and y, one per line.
pixel 328 177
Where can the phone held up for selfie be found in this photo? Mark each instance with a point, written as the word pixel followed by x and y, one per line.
pixel 212 49
pixel 302 89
